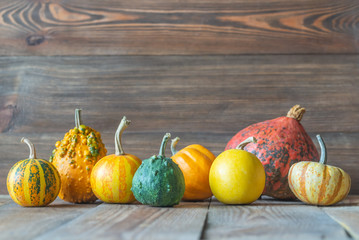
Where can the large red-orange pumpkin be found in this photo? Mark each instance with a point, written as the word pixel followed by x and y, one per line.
pixel 281 142
pixel 195 162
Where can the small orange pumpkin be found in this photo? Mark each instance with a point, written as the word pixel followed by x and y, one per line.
pixel 317 183
pixel 195 162
pixel 33 182
pixel 111 178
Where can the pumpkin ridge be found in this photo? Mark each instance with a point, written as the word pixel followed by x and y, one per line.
pixel 57 177
pixel 122 178
pixel 333 196
pixel 11 182
pixel 125 184
pixel 323 186
pixel 100 184
pixel 200 168
pixel 26 182
pixel 302 186
pixel 194 159
pixel 183 163
pixel 42 183
pixel 20 181
pixel 294 190
pixel 134 162
pixel 203 151
pixel 50 179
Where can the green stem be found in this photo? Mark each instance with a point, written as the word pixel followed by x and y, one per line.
pixel 118 135
pixel 323 150
pixel 165 139
pixel 31 146
pixel 78 120
pixel 173 145
pixel 245 142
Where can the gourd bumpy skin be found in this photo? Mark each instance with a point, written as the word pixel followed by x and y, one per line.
pixel 74 157
pixel 158 182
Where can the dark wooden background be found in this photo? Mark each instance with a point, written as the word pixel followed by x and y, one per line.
pixel 202 70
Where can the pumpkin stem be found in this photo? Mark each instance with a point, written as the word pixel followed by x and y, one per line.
pixel 31 146
pixel 296 112
pixel 245 142
pixel 78 120
pixel 165 139
pixel 323 150
pixel 173 145
pixel 118 135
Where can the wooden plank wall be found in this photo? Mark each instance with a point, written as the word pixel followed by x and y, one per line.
pixel 201 70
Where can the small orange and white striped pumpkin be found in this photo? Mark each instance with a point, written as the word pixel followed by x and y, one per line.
pixel 111 178
pixel 33 182
pixel 317 183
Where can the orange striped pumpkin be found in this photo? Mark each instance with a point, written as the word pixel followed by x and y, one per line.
pixel 195 162
pixel 111 178
pixel 33 182
pixel 318 183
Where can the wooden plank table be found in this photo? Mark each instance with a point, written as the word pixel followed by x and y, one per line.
pixel 264 219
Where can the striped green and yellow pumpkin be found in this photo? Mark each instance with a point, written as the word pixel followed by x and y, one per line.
pixel 33 182
pixel 317 183
pixel 111 178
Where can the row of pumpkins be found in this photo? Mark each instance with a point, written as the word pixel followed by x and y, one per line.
pixel 275 157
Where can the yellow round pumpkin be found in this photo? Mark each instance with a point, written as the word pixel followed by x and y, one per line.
pixel 195 162
pixel 317 183
pixel 33 182
pixel 111 178
pixel 74 157
pixel 237 176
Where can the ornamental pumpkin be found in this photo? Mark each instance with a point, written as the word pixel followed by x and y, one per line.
pixel 237 176
pixel 33 182
pixel 317 183
pixel 281 142
pixel 111 178
pixel 159 181
pixel 195 162
pixel 74 157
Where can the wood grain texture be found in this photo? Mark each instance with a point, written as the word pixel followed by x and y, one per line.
pixel 347 217
pixel 17 222
pixel 266 218
pixel 270 221
pixel 133 221
pixel 4 199
pixel 202 99
pixel 160 27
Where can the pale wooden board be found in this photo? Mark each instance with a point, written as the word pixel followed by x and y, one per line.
pixel 266 220
pixel 346 216
pixel 18 222
pixel 134 221
pixel 4 199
